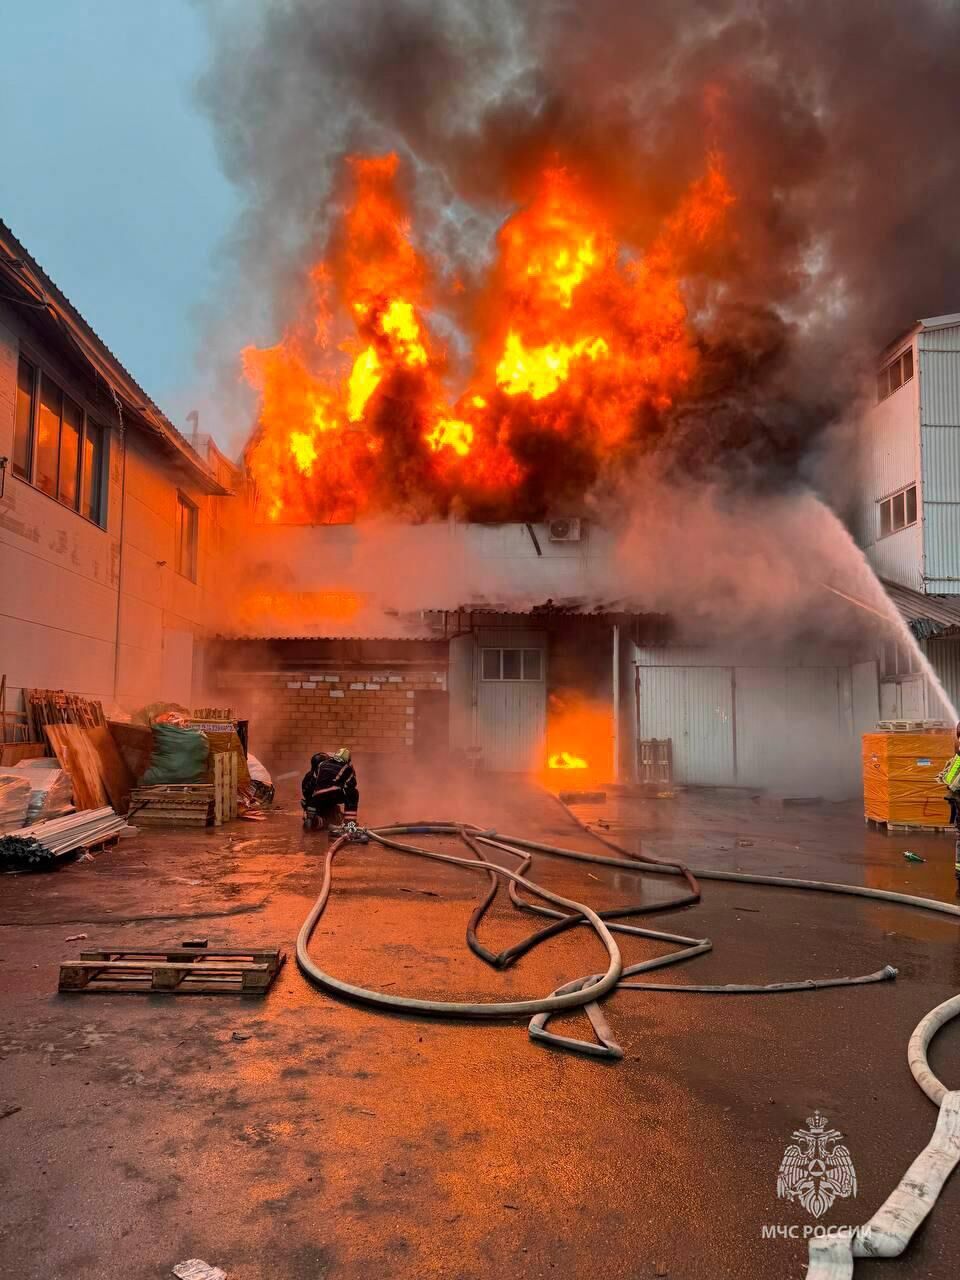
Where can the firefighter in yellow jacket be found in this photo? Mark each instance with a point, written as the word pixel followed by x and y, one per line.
pixel 950 777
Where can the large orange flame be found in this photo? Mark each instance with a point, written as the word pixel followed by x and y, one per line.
pixel 575 335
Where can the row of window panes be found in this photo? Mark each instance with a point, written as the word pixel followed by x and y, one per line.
pixel 895 374
pixel 899 511
pixel 512 664
pixel 55 445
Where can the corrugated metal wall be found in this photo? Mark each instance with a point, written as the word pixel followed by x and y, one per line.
pixel 940 453
pixel 790 728
pixel 460 683
pixel 944 655
pixel 694 707
pixel 511 727
pixel 899 557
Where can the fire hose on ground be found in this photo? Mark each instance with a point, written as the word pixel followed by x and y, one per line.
pixel 831 1258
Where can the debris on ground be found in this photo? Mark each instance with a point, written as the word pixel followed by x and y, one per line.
pixel 197 1269
pixel 910 856
pixel 75 937
pixel 745 844
pixel 9 1110
pixel 582 797
pixel 242 1035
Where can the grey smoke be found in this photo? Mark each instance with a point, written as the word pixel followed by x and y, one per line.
pixel 834 119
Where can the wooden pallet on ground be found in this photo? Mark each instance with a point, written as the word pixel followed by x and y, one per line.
pixel 173 805
pixel 176 970
pixel 906 828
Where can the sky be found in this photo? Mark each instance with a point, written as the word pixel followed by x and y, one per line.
pixel 110 177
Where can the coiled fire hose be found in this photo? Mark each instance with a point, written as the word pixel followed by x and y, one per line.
pixel 831 1257
pixel 584 991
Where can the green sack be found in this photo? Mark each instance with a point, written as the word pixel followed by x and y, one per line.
pixel 179 755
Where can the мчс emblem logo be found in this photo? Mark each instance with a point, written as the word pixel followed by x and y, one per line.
pixel 816 1168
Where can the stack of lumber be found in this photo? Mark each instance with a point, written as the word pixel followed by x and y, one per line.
pixel 54 706
pixel 78 830
pixel 46 841
pixel 900 787
pixel 189 805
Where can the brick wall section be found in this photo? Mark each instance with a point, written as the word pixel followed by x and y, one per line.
pixel 292 715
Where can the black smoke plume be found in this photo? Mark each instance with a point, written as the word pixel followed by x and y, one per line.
pixel 835 122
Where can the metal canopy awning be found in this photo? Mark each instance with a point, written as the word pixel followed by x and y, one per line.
pixel 925 615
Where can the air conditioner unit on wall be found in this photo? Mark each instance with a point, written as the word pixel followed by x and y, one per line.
pixel 564 530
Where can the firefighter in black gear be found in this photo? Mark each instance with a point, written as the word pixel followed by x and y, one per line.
pixel 330 783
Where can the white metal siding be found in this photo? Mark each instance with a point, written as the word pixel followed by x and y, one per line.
pixel 790 728
pixel 763 747
pixel 512 714
pixel 941 463
pixel 944 655
pixel 941 529
pixel 898 557
pixel 512 724
pixel 795 729
pixel 940 388
pixel 460 685
pixel 945 339
pixel 939 369
pixel 694 707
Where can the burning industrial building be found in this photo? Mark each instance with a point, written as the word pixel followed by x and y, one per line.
pixel 561 385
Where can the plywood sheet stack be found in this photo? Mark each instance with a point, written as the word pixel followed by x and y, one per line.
pixel 900 777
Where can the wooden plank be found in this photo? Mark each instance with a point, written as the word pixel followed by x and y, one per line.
pixel 114 772
pixel 256 955
pixel 220 779
pixel 233 782
pixel 73 977
pixel 75 752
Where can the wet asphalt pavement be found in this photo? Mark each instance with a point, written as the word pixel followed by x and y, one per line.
pixel 340 1142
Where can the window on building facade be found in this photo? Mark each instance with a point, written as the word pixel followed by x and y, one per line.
pixel 56 447
pixel 898 511
pixel 23 425
pixel 511 664
pixel 893 375
pixel 186 538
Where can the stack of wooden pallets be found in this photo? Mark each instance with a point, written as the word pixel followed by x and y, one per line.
pixel 186 805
